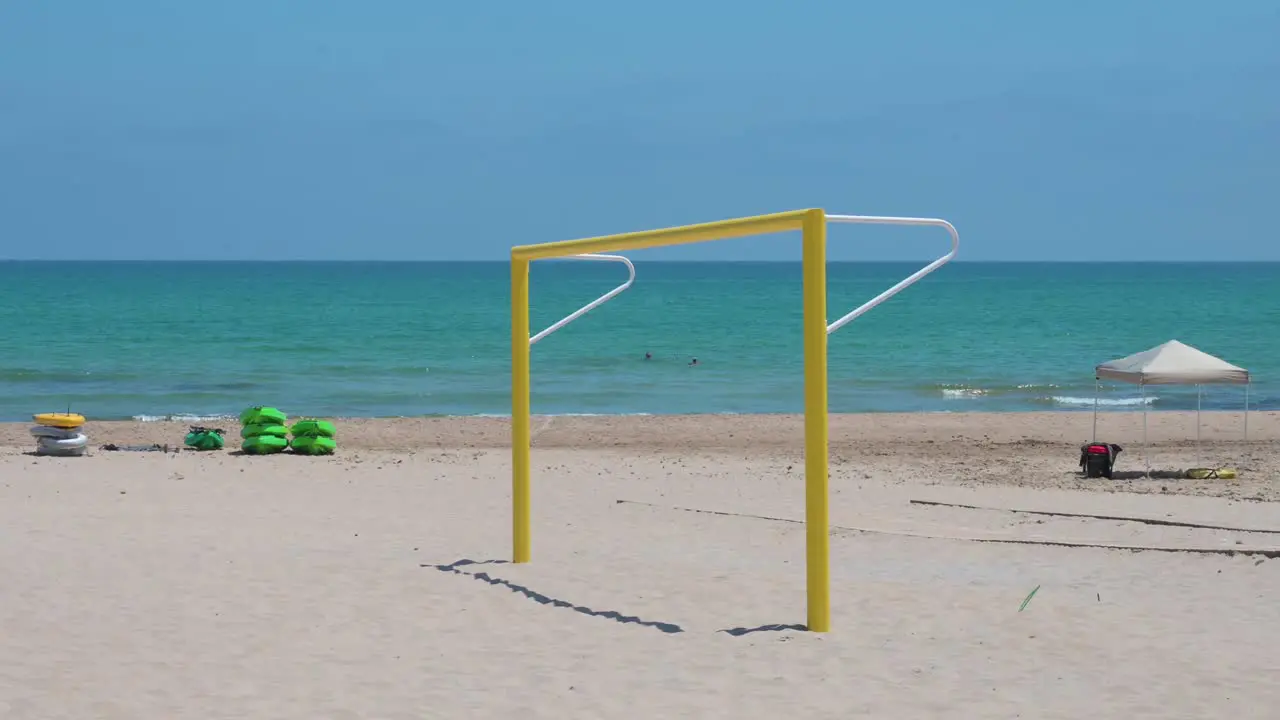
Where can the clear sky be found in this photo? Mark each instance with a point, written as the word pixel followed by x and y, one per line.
pixel 422 129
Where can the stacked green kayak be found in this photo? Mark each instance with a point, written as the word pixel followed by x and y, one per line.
pixel 263 431
pixel 203 438
pixel 313 437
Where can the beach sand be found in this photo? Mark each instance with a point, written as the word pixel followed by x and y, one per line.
pixel 667 577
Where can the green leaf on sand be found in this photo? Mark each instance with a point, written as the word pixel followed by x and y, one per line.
pixel 1030 595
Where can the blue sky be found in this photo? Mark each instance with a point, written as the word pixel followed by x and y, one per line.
pixel 427 130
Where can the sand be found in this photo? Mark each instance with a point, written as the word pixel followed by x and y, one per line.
pixel 373 584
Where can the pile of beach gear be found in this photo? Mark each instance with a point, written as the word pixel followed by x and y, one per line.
pixel 263 431
pixel 60 434
pixel 203 438
pixel 312 436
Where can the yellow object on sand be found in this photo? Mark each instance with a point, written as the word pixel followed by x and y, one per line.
pixel 59 420
pixel 1212 473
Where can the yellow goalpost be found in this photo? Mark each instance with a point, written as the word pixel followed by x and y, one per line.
pixel 812 223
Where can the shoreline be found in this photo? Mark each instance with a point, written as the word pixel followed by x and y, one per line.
pixel 734 431
pixel 1103 409
pixel 1066 410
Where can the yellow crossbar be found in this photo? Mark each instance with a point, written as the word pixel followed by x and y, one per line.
pixel 682 235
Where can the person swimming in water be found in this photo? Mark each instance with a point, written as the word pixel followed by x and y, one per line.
pixel 648 356
pixel 693 362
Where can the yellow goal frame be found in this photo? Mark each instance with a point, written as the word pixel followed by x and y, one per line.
pixel 812 223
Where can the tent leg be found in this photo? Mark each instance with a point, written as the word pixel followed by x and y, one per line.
pixel 1146 459
pixel 1199 452
pixel 1097 389
pixel 1246 412
pixel 1248 451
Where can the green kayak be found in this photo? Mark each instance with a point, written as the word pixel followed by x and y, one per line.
pixel 261 415
pixel 264 444
pixel 312 445
pixel 311 427
pixel 249 431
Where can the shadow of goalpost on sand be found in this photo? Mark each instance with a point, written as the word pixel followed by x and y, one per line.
pixel 455 568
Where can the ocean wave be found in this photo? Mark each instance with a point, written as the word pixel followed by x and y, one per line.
pixel 1103 402
pixel 957 393
pixel 1030 393
pixel 32 376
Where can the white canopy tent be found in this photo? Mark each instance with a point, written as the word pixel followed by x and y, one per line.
pixel 1173 363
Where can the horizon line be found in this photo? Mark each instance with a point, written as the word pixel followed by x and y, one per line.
pixel 312 261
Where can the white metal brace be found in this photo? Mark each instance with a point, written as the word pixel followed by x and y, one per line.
pixel 631 277
pixel 910 279
pixel 846 219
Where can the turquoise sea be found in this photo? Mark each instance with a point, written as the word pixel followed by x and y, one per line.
pixel 152 340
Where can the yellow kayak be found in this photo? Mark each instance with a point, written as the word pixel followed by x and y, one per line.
pixel 59 420
pixel 1212 473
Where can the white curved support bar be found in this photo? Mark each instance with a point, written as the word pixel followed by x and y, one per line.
pixel 631 277
pixel 910 279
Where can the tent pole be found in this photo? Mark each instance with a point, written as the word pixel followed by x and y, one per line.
pixel 1199 453
pixel 1146 459
pixel 1097 388
pixel 1246 410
